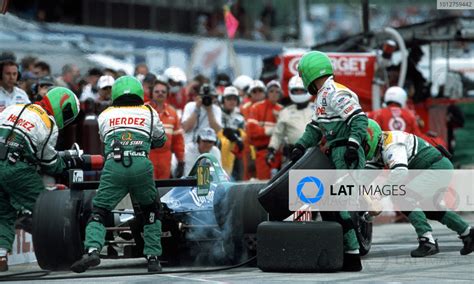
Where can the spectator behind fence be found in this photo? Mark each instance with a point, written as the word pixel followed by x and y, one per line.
pixel 41 87
pixel 42 69
pixel 69 78
pixel 161 157
pixel 201 113
pixel 10 94
pixel 206 143
pixel 103 101
pixel 90 90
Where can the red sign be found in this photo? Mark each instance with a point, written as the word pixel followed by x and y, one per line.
pixel 354 70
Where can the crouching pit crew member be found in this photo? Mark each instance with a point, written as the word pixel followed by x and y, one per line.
pixel 401 151
pixel 128 130
pixel 28 135
pixel 340 119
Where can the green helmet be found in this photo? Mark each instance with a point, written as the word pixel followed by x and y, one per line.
pixel 374 132
pixel 63 104
pixel 314 65
pixel 126 85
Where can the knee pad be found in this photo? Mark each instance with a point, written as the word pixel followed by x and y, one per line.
pixel 435 215
pixel 151 212
pixel 98 215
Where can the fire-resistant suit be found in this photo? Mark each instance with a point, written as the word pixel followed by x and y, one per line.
pixel 260 127
pixel 34 139
pixel 137 129
pixel 161 157
pixel 402 151
pixel 394 118
pixel 339 118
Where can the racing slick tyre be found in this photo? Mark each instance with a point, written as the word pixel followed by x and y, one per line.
pixel 274 196
pixel 238 213
pixel 363 231
pixel 57 228
pixel 300 246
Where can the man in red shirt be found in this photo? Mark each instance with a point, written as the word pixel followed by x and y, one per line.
pixel 161 157
pixel 260 125
pixel 395 116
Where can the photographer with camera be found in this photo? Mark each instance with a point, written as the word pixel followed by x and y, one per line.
pixel 201 113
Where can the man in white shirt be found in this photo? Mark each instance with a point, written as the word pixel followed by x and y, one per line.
pixel 206 143
pixel 10 94
pixel 201 113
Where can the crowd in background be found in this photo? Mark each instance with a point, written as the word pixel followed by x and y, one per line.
pixel 232 119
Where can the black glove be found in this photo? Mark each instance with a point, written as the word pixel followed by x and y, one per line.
pixel 352 155
pixel 180 169
pixel 297 152
pixel 73 162
pixel 270 158
pixel 230 134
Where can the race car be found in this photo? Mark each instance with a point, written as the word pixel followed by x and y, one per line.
pixel 206 218
pixel 203 220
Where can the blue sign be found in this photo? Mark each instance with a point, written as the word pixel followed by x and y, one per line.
pixel 319 185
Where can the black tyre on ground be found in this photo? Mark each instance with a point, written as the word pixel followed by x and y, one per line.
pixel 57 228
pixel 363 231
pixel 238 213
pixel 274 196
pixel 300 246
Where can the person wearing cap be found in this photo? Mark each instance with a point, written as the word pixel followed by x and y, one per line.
pixel 257 90
pixel 40 89
pixel 28 136
pixel 232 134
pixel 161 157
pixel 177 81
pixel 202 112
pixel 104 85
pixel 260 126
pixel 206 143
pixel 292 120
pixel 242 84
pixel 340 119
pixel 128 129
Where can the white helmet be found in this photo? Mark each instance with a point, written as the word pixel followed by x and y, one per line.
pixel 175 74
pixel 396 95
pixel 242 82
pixel 297 83
pixel 256 84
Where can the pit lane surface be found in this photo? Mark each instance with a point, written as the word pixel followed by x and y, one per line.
pixel 388 260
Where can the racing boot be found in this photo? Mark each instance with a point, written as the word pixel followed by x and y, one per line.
pixel 154 264
pixel 90 259
pixel 425 248
pixel 352 262
pixel 468 242
pixel 3 263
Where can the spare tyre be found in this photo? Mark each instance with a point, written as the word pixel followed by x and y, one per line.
pixel 274 196
pixel 57 229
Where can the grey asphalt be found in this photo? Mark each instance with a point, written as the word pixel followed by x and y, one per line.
pixel 388 261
